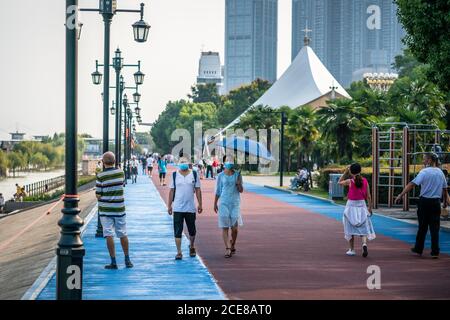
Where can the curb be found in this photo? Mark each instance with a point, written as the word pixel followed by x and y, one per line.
pixel 443 228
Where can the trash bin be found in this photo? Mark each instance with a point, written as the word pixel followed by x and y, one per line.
pixel 335 190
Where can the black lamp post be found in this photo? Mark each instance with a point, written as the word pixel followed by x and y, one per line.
pixel 108 8
pixel 70 250
pixel 118 65
pixel 113 109
pixel 284 120
pixel 141 28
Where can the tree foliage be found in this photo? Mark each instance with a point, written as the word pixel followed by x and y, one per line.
pixel 337 132
pixel 427 24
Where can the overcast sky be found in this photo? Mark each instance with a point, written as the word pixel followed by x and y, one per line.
pixel 32 57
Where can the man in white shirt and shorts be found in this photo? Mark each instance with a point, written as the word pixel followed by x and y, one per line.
pixel 181 204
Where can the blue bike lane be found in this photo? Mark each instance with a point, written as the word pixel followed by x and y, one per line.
pixel 156 274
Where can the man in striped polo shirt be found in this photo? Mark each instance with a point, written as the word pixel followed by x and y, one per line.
pixel 111 208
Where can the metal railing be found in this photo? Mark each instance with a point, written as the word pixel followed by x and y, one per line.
pixel 44 186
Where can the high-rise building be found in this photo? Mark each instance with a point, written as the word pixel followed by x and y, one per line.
pixel 250 41
pixel 351 37
pixel 210 68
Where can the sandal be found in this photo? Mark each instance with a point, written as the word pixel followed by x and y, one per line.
pixel 233 249
pixel 179 256
pixel 228 255
pixel 192 252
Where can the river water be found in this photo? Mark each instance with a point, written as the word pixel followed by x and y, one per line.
pixel 8 185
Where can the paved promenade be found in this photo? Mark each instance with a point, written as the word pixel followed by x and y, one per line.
pixel 293 247
pixel 27 244
pixel 156 275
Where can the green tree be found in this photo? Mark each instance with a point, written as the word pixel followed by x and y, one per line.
pixel 302 130
pixel 39 160
pixel 205 93
pixel 16 160
pixel 165 125
pixel 240 99
pixel 375 102
pixel 339 121
pixel 3 163
pixel 427 24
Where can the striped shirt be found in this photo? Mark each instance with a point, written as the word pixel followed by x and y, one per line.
pixel 109 187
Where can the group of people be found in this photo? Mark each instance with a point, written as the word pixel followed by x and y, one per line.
pixel 433 196
pixel 185 187
pixel 209 168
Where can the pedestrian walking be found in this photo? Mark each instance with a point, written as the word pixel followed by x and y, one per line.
pixel 181 204
pixel 200 167
pixel 134 169
pixel 215 165
pixel 227 205
pixel 144 164
pixel 111 208
pixel 433 187
pixel 209 169
pixel 162 168
pixel 2 203
pixel 356 218
pixel 150 161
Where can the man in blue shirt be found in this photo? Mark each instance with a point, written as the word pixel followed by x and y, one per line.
pixel 433 188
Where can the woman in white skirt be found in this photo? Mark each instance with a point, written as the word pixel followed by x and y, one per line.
pixel 228 190
pixel 357 215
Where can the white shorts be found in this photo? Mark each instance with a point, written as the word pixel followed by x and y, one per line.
pixel 114 224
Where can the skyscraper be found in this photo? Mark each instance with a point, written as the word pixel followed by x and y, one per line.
pixel 209 68
pixel 250 41
pixel 349 36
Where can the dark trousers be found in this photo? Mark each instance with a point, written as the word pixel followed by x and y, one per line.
pixel 429 216
pixel 178 223
pixel 209 171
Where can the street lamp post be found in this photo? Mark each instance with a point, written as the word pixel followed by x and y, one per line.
pixel 70 250
pixel 118 65
pixel 283 123
pixel 108 8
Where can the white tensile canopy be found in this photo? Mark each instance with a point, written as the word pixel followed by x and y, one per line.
pixel 305 81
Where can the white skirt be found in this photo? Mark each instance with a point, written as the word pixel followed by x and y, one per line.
pixel 229 215
pixel 356 220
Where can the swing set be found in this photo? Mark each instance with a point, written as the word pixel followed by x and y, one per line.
pixel 397 150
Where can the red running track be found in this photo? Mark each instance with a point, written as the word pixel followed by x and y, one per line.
pixel 284 252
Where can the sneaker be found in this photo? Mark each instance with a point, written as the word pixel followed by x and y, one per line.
pixel 111 266
pixel 350 252
pixel 365 251
pixel 414 250
pixel 435 256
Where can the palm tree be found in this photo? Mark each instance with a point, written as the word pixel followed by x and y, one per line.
pixel 303 133
pixel 338 121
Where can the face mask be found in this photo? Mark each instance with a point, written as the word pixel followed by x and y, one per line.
pixel 228 165
pixel 184 166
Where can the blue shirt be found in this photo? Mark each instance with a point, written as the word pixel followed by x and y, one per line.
pixel 162 166
pixel 431 181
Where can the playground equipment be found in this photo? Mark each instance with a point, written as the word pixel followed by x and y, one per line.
pixel 397 150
